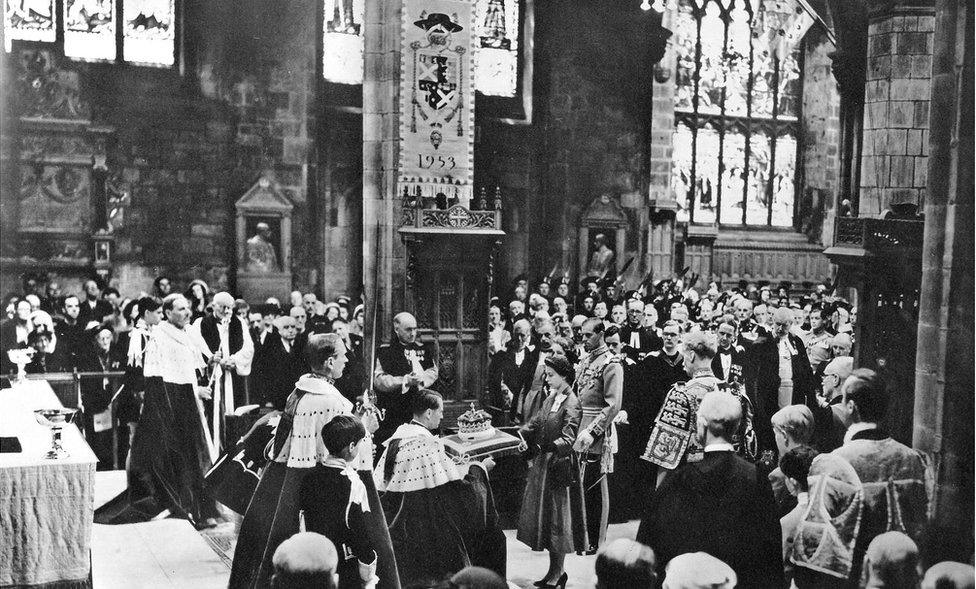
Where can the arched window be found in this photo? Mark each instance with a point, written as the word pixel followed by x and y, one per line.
pixel 149 32
pixel 497 35
pixel 342 41
pixel 28 20
pixel 94 30
pixel 737 104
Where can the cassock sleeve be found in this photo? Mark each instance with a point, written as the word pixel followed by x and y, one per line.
pixel 243 357
pixel 197 337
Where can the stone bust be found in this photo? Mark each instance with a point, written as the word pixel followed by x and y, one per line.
pixel 261 255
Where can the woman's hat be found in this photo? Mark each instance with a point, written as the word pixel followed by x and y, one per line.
pixel 562 366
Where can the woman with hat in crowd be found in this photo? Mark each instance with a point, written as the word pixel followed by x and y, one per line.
pixel 552 515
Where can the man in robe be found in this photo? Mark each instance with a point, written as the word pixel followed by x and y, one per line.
pixel 442 512
pixel 221 338
pixel 273 513
pixel 170 447
pixel 403 367
pixel 638 340
pixel 718 505
pixel 261 255
pixel 779 375
pixel 896 479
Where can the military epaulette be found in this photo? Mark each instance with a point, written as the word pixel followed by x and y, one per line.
pixel 384 346
pixel 655 353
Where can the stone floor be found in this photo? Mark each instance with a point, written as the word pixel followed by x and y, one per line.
pixel 170 553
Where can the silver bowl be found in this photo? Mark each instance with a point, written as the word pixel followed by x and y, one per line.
pixel 55 420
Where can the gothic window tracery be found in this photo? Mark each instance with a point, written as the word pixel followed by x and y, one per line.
pixel 737 105
pixel 94 30
pixel 342 41
pixel 89 29
pixel 149 34
pixel 28 20
pixel 497 56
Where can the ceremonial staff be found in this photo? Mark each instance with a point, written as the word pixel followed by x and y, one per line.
pixel 368 404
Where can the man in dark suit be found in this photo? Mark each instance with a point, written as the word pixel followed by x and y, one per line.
pixel 280 364
pixel 511 372
pixel 830 418
pixel 94 308
pixel 720 505
pixel 779 375
pixel 101 355
pixel 638 341
pixel 730 360
pixel 350 384
pixel 71 333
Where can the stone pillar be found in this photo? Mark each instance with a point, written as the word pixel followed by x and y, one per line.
pixel 659 256
pixel 896 96
pixel 383 254
pixel 943 423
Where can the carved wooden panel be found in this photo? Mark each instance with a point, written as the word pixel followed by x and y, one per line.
pixel 769 257
pixel 447 293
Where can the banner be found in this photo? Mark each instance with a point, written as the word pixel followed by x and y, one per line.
pixel 437 100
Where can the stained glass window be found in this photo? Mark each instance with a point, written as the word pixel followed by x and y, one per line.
pixel 737 102
pixel 29 20
pixel 148 34
pixel 89 29
pixel 342 46
pixel 496 60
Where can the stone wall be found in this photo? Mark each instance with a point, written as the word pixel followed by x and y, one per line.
pixel 818 175
pixel 896 110
pixel 592 123
pixel 187 142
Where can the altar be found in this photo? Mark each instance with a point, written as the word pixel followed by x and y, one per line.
pixel 48 504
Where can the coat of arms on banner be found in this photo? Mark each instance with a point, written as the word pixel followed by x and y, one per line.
pixel 438 87
pixel 437 99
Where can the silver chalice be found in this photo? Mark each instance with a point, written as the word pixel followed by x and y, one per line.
pixel 55 420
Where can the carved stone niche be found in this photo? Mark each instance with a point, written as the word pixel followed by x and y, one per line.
pixel 263 241
pixel 68 197
pixel 604 217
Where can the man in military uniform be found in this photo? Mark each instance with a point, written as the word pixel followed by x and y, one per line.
pixel 817 340
pixel 599 388
pixel 749 330
pixel 403 367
